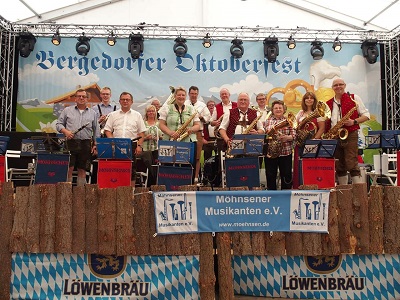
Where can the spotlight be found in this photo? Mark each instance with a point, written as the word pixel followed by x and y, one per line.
pixel 180 47
pixel 237 49
pixel 135 46
pixel 370 50
pixel 271 49
pixel 337 45
pixel 56 39
pixel 82 46
pixel 207 42
pixel 317 51
pixel 111 40
pixel 291 43
pixel 26 43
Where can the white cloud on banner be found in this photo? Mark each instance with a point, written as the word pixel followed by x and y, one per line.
pixel 66 78
pixel 251 85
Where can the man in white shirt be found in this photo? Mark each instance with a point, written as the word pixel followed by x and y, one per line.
pixel 126 123
pixel 204 116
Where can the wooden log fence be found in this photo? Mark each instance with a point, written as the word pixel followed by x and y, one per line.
pixel 61 219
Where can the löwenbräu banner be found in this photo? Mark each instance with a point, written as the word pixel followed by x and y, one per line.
pixel 188 212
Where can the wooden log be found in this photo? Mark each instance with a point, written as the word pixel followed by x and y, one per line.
pixel 63 239
pixel 391 226
pixel 241 241
pixel 48 194
pixel 158 244
pixel 376 219
pixel 190 242
pixel 107 220
pixel 91 208
pixel 33 224
pixel 18 234
pixel 141 206
pixel 78 219
pixel 361 224
pixel 257 237
pixel 345 218
pixel 207 277
pixel 275 243
pixel 331 240
pixel 6 221
pixel 225 274
pixel 294 243
pixel 125 237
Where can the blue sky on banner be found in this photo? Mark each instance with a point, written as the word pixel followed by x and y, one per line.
pixel 52 71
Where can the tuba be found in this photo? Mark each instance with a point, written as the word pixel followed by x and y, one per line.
pixel 171 98
pixel 306 129
pixel 274 143
pixel 338 131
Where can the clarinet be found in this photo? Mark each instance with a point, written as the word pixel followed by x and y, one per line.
pixel 80 128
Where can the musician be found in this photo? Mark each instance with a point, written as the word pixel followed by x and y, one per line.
pixel 157 104
pixel 80 126
pixel 220 109
pixel 263 109
pixel 177 116
pixel 346 153
pixel 105 107
pixel 238 119
pixel 127 123
pixel 204 116
pixel 308 106
pixel 280 144
pixel 208 134
pixel 150 144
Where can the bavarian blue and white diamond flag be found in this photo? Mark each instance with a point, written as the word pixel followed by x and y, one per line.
pixel 98 277
pixel 221 211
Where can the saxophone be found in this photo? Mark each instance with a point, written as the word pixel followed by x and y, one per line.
pixel 304 132
pixel 338 131
pixel 182 130
pixel 274 143
pixel 253 124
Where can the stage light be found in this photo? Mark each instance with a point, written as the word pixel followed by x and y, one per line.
pixel 271 49
pixel 180 47
pixel 237 49
pixel 317 51
pixel 370 50
pixel 135 46
pixel 207 42
pixel 56 39
pixel 111 40
pixel 337 45
pixel 26 43
pixel 291 43
pixel 83 46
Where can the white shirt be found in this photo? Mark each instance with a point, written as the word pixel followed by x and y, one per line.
pixel 225 109
pixel 239 128
pixel 125 125
pixel 202 110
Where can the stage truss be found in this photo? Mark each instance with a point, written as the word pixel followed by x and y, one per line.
pixel 9 31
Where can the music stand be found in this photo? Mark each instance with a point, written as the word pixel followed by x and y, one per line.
pixel 385 139
pixel 382 139
pixel 176 152
pixel 247 144
pixel 3 144
pixel 114 148
pixel 319 149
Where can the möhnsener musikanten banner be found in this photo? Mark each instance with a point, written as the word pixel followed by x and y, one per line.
pixel 188 212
